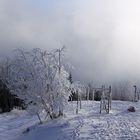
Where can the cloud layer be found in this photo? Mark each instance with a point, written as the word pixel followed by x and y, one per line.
pixel 102 37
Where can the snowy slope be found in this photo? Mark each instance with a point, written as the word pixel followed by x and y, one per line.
pixel 87 125
pixel 14 123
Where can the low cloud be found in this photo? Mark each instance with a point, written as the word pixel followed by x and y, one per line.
pixel 102 37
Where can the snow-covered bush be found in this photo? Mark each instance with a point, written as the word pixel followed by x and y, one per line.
pixel 40 79
pixel 131 109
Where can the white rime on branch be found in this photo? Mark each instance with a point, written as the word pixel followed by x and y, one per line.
pixel 37 78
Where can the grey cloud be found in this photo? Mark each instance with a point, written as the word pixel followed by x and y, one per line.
pixel 102 37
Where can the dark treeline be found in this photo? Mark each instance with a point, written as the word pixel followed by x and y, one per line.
pixel 7 100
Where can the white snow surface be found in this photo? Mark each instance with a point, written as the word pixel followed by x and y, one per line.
pixel 87 125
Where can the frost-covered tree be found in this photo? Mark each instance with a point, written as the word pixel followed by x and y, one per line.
pixel 40 79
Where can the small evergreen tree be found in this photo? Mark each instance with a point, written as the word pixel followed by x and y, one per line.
pixel 97 96
pixel 70 78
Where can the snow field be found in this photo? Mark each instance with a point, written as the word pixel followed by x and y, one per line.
pixel 87 125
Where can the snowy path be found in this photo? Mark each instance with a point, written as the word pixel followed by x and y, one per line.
pixel 87 125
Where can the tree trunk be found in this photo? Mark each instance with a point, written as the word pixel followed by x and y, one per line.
pixel 40 121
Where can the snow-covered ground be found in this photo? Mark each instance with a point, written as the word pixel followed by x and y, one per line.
pixel 14 123
pixel 87 125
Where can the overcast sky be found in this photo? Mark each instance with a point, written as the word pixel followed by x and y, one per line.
pixel 102 36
